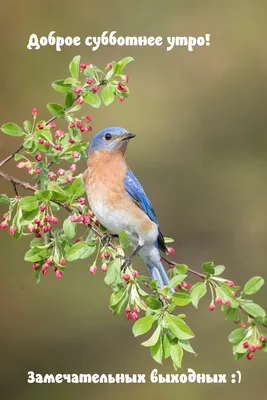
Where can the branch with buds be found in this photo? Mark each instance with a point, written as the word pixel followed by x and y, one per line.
pixel 81 235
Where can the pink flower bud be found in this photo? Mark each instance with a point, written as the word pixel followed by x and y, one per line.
pixel 171 250
pixel 46 143
pixel 12 230
pixel 74 218
pixel 82 128
pixel 106 254
pixel 88 129
pixel 252 348
pixel 59 274
pixel 227 303
pixel 94 88
pixel 61 172
pixel 78 90
pixel 91 214
pixel 38 170
pixel 82 201
pixel 69 178
pixel 129 315
pixel 38 157
pixel 48 218
pixel 127 310
pixel 51 125
pixel 263 339
pixel 59 133
pixel 75 154
pixel 93 269
pixel 51 175
pixel 126 277
pixel 40 140
pixel 79 123
pixel 250 356
pixel 135 274
pixel 89 81
pixel 136 309
pixel 3 225
pixel 86 220
pixel 218 301
pixel 72 125
pixel 81 218
pixel 49 261
pixel 34 111
pixel 42 208
pixel 104 267
pixel 58 147
pixel 35 266
pixel 88 119
pixel 71 141
pixel 40 126
pixel 30 228
pixel 82 66
pixel 80 100
pixel 245 344
pixel 45 269
pixel 187 285
pixel 211 307
pixel 45 229
pixel 121 98
pixel 231 283
pixel 63 261
pixel 135 316
pixel 109 65
pixel 21 164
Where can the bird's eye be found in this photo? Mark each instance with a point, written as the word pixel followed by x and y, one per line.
pixel 107 136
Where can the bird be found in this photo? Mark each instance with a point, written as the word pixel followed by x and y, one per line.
pixel 120 203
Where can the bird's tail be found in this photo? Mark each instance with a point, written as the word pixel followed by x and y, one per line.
pixel 151 257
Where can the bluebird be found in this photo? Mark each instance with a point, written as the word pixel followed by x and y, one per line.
pixel 119 201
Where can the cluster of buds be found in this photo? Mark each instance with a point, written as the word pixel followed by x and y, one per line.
pixel 251 348
pixel 82 125
pixel 48 262
pixel 185 285
pixel 132 314
pixel 121 87
pixel 42 224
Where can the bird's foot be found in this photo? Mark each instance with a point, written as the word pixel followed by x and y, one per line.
pixel 127 263
pixel 107 239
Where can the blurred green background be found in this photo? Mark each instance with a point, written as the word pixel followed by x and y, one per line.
pixel 200 153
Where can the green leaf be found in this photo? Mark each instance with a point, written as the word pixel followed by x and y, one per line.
pixel 35 254
pixel 123 239
pixel 74 67
pixel 143 325
pixel 121 64
pixel 93 99
pixel 230 313
pixel 156 351
pixel 153 303
pixel 181 269
pixel 89 72
pixel 253 285
pixel 197 292
pixel 76 189
pixel 154 338
pixel 254 309
pixel 219 269
pixel 44 195
pixel 27 126
pixel 56 109
pixel 74 109
pixel 60 86
pixel 237 336
pixel 89 251
pixel 107 95
pixel 28 217
pixel 76 251
pixel 176 354
pixel 12 129
pixel 166 344
pixel 28 203
pixel 58 193
pixel 69 228
pixel 176 280
pixel 208 267
pixel 181 299
pixel 178 327
pixel 186 346
pixel 112 272
pixel 168 239
pixel 69 100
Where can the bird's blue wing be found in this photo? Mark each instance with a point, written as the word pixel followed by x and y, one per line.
pixel 137 193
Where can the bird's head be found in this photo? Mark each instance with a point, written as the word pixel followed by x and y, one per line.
pixel 111 139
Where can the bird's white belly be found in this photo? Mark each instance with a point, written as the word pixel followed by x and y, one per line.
pixel 117 221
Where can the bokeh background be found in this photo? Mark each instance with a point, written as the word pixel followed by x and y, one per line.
pixel 200 153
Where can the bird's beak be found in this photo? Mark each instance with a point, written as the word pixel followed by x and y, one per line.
pixel 127 136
